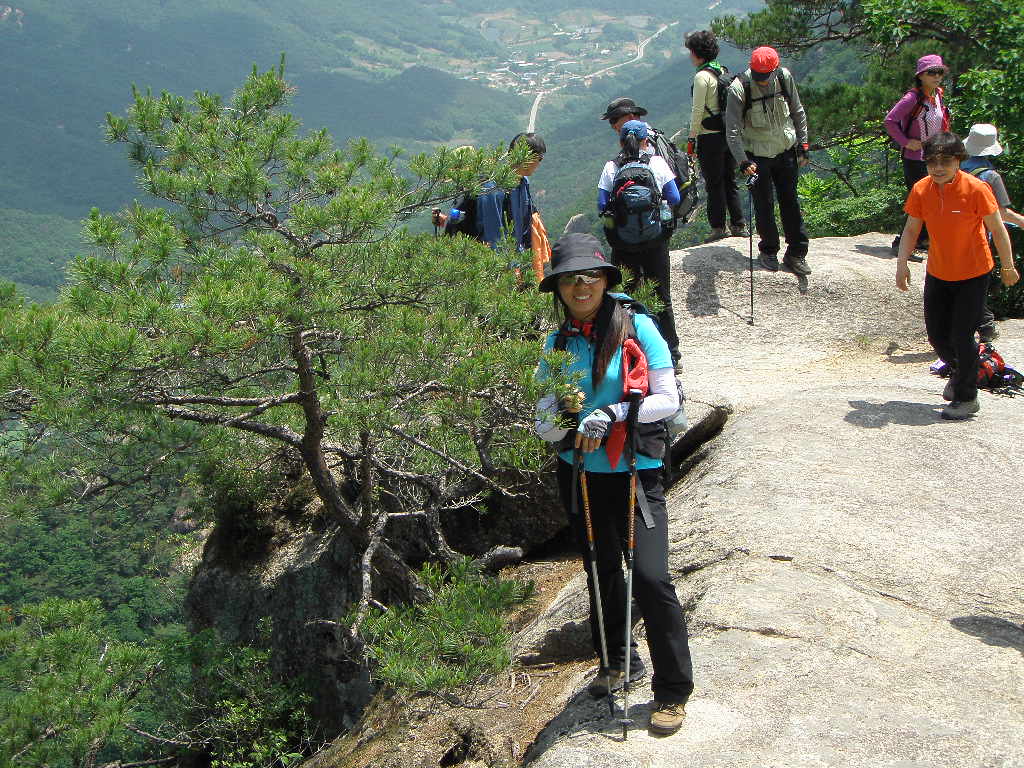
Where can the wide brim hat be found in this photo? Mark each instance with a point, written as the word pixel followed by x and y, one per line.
pixel 576 252
pixel 983 141
pixel 622 106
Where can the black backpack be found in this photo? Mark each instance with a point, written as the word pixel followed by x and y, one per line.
pixel 723 79
pixel 467 225
pixel 686 177
pixel 635 205
pixel 748 99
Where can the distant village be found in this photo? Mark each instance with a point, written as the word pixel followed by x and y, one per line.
pixel 574 54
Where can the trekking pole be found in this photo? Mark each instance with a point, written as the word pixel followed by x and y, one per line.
pixel 579 478
pixel 634 406
pixel 751 181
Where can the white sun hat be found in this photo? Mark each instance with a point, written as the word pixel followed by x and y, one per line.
pixel 983 140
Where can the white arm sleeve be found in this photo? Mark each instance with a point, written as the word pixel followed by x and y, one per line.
pixel 546 422
pixel 662 398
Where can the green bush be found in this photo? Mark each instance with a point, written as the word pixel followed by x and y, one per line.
pixel 455 639
pixel 880 210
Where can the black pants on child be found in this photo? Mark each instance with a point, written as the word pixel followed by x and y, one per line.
pixel 718 167
pixel 650 263
pixel 952 312
pixel 778 176
pixel 653 591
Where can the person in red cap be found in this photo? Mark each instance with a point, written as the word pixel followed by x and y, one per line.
pixel 766 128
pixel 919 114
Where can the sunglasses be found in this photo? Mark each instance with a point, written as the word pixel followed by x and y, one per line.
pixel 935 71
pixel 587 277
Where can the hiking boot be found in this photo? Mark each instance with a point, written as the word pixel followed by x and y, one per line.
pixel 717 233
pixel 738 230
pixel 798 264
pixel 961 409
pixel 768 260
pixel 949 391
pixel 667 717
pixel 598 687
pixel 988 333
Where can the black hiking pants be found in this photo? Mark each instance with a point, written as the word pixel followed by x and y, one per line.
pixel 653 591
pixel 952 312
pixel 650 263
pixel 777 176
pixel 718 167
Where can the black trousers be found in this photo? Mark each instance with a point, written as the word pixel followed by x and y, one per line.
pixel 777 176
pixel 718 167
pixel 952 312
pixel 650 263
pixel 667 639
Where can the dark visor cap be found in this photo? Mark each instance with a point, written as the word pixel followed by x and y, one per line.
pixel 619 107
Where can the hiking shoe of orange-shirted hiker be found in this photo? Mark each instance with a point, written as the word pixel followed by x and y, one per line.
pixel 961 409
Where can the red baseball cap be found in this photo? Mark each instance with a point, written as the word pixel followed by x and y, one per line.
pixel 764 60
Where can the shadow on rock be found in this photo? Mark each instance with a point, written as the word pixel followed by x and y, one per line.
pixel 702 299
pixel 878 251
pixel 585 716
pixel 909 357
pixel 876 415
pixel 992 631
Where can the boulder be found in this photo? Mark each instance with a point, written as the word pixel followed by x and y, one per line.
pixel 850 563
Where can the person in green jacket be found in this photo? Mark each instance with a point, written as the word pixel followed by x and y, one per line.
pixel 707 139
pixel 766 128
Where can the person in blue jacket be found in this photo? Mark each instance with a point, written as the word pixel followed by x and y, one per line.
pixel 495 209
pixel 647 260
pixel 595 326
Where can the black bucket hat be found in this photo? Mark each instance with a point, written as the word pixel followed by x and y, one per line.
pixel 576 252
pixel 622 106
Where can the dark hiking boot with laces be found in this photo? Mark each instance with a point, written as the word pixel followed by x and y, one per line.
pixel 738 230
pixel 667 717
pixel 717 233
pixel 769 261
pixel 598 687
pixel 959 410
pixel 797 264
pixel 988 332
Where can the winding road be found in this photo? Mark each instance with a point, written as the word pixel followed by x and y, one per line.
pixel 641 47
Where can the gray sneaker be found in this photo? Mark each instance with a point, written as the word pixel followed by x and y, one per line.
pixel 769 261
pixel 949 391
pixel 798 264
pixel 717 233
pixel 961 409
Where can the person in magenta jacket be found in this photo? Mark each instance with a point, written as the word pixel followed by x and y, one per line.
pixel 921 113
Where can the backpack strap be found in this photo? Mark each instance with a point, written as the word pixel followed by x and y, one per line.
pixel 748 98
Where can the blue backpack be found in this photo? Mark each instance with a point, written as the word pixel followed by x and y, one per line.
pixel 635 206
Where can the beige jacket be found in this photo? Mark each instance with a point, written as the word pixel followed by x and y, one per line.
pixel 705 101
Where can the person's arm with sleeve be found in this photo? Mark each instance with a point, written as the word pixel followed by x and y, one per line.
pixel 702 82
pixel 895 118
pixel 734 127
pixel 908 240
pixel 798 115
pixel 604 186
pixel 995 181
pixel 1007 271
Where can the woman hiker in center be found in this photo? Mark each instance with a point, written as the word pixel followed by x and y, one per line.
pixel 634 193
pixel 593 330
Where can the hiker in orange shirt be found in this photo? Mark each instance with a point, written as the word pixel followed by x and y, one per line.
pixel 957 207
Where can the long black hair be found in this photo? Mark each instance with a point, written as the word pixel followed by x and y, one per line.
pixel 630 150
pixel 611 326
